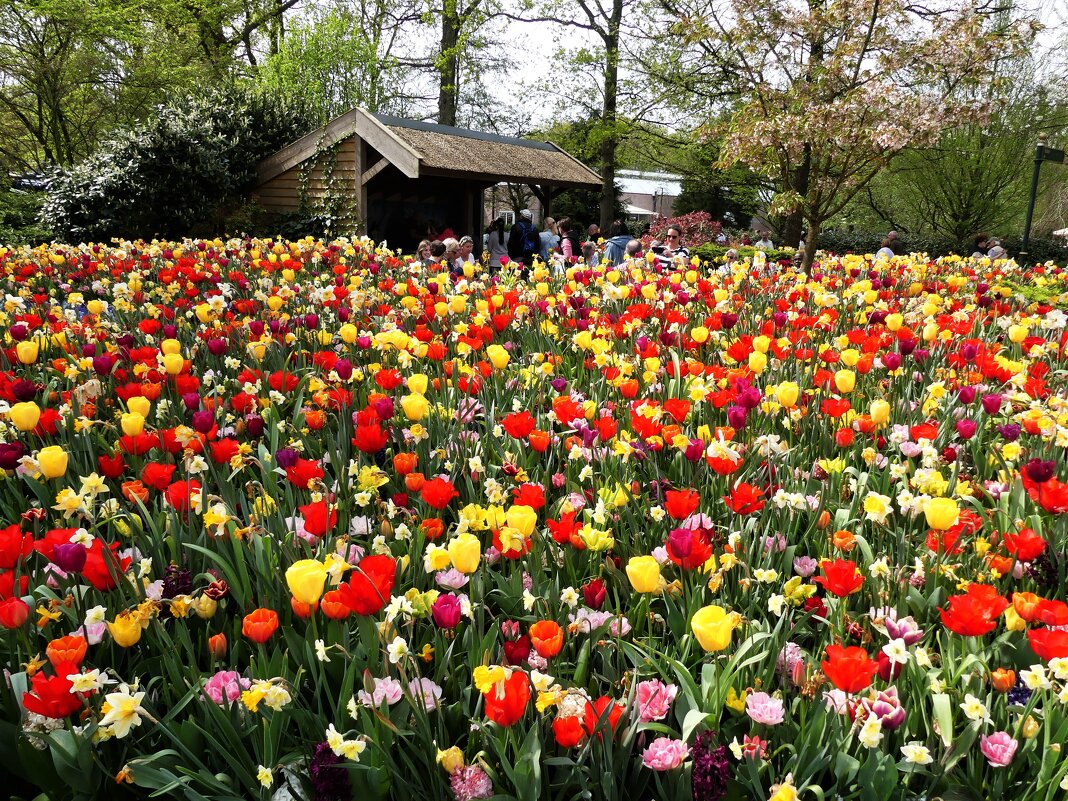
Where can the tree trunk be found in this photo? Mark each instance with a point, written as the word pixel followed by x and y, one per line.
pixel 799 182
pixel 810 245
pixel 448 64
pixel 610 140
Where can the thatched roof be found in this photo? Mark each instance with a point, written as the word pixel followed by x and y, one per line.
pixel 423 148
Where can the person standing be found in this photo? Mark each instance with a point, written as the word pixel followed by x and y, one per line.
pixel 615 248
pixel 497 244
pixel 670 250
pixel 524 243
pixel 593 233
pixel 764 243
pixel 570 244
pixel 550 238
pixel 894 243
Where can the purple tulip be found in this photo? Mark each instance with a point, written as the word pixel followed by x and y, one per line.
pixel 1010 432
pixel 906 629
pixel 203 421
pixel 384 408
pixel 216 346
pixel 1040 470
pixel 10 453
pixel 966 394
pixel 19 332
pixel 966 428
pixel 254 425
pixel 446 611
pixel 286 458
pixel 891 361
pixel 992 403
pixel 343 368
pixel 736 416
pixel 170 331
pixel 24 390
pixel 256 328
pixel 69 556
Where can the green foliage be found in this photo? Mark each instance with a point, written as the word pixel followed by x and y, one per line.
pixel 729 195
pixel 18 217
pixel 718 253
pixel 840 241
pixel 173 175
pixel 337 59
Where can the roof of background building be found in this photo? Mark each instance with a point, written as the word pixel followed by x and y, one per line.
pixel 649 183
pixel 419 148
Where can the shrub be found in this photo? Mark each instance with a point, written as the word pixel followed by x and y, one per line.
pixel 18 217
pixel 171 175
pixel 717 253
pixel 696 228
pixel 838 241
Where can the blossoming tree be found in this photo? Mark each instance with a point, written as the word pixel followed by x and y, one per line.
pixel 828 92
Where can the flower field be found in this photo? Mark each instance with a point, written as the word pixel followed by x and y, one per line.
pixel 301 520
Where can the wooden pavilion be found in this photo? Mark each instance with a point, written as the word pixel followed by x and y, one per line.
pixel 398 178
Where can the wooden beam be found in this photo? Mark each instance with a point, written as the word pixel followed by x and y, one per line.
pixel 373 171
pixel 360 188
pixel 356 121
pixel 307 146
pixel 400 154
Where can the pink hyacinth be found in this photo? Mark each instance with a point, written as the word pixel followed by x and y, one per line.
pixel 655 699
pixel 999 748
pixel 225 686
pixel 664 753
pixel 470 783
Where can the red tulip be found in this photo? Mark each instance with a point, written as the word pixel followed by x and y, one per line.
pixel 975 613
pixel 680 504
pixel 512 704
pixel 840 577
pixel 1048 643
pixel 14 613
pixel 370 585
pixel 50 695
pixel 849 669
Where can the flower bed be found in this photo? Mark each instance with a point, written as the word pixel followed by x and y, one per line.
pixel 300 520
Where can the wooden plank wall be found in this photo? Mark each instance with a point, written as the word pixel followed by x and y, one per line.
pixel 281 194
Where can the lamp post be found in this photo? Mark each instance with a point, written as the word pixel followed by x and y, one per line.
pixel 1042 153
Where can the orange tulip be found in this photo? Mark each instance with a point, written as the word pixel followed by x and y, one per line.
pixel 547 638
pixel 217 645
pixel 1003 679
pixel 260 625
pixel 333 606
pixel 69 649
pixel 414 482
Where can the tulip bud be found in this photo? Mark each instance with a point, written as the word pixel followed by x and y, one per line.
pixel 217 646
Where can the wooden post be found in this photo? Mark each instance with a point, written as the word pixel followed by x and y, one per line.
pixel 360 223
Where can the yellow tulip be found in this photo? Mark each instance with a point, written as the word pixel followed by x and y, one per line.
pixel 699 334
pixel 418 383
pixel 787 393
pixel 139 405
pixel 1017 333
pixel 414 406
pixel 52 461
pixel 879 412
pixel 25 416
pixel 451 759
pixel 713 626
pixel 274 303
pixel 132 424
pixel 845 381
pixel 306 579
pixel 894 321
pixel 644 573
pixel 27 351
pixel 170 346
pixel 522 518
pixel 465 552
pixel 761 343
pixel 349 333
pixel 498 356
pixel 757 361
pixel 941 513
pixel 126 630
pixel 173 363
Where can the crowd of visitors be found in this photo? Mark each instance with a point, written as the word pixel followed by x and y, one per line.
pixel 561 242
